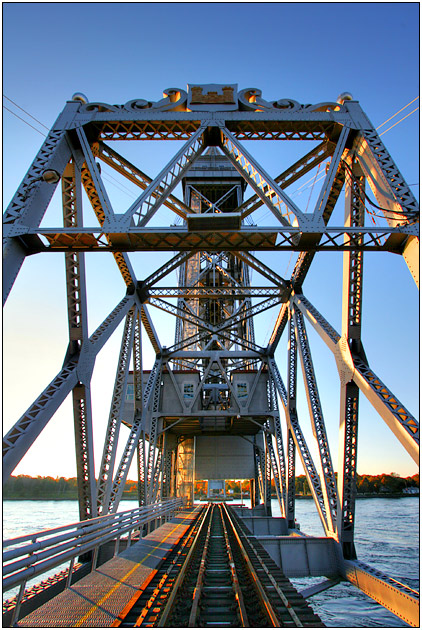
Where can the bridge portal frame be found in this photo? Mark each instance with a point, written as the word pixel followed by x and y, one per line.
pixel 348 139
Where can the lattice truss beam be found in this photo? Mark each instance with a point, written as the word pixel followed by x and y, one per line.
pixel 214 302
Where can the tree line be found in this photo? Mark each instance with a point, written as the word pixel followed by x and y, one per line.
pixel 50 488
pixel 369 484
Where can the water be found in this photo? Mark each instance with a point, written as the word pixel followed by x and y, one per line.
pixel 387 537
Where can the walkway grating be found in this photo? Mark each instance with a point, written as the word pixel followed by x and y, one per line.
pixel 97 599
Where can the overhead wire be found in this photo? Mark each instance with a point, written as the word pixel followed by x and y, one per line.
pixel 399 121
pixel 407 215
pixel 106 176
pixel 27 113
pixel 296 192
pixel 25 121
pixel 397 112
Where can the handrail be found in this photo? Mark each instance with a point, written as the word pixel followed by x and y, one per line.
pixel 81 527
pixel 27 561
pixel 78 524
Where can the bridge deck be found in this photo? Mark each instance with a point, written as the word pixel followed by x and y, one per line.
pixel 97 599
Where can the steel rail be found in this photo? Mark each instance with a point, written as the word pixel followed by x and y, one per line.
pixel 275 585
pixel 164 582
pixel 164 617
pixel 234 550
pixel 198 586
pixel 268 609
pixel 236 585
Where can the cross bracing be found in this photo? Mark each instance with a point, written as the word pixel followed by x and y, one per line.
pixel 221 377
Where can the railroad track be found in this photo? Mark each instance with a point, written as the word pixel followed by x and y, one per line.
pixel 217 576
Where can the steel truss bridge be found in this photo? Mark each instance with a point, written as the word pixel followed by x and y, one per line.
pixel 214 405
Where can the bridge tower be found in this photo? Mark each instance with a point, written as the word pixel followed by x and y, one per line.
pixel 208 406
pixel 225 442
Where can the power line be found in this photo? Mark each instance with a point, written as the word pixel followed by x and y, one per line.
pixel 25 121
pixel 399 121
pixel 397 112
pixel 27 113
pixel 119 186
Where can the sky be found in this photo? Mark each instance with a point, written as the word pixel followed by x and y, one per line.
pixel 117 52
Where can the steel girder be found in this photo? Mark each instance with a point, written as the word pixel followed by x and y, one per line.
pixel 151 396
pixel 78 337
pixel 105 477
pixel 117 239
pixel 309 467
pixel 291 404
pixel 351 329
pixel 329 486
pixel 23 434
pixel 347 138
pixel 402 423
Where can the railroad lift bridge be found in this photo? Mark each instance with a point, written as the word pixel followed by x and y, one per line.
pixel 214 404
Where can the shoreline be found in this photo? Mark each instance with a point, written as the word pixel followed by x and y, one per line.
pixel 299 497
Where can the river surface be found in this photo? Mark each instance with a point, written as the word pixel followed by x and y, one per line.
pixel 386 536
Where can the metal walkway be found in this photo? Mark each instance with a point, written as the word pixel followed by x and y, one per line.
pixel 97 599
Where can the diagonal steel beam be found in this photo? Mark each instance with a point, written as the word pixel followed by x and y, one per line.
pixel 34 194
pixel 333 171
pixel 105 476
pixel 26 430
pixel 292 174
pixel 181 313
pixel 152 391
pixel 261 268
pixel 328 480
pixel 147 204
pixel 282 207
pixel 122 259
pixel 149 328
pixel 167 268
pixel 135 175
pixel 401 422
pixel 248 313
pixel 23 434
pixel 302 447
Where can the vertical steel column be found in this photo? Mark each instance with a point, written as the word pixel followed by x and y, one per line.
pixel 351 328
pixel 141 470
pixel 156 485
pixel 78 336
pixel 267 464
pixel 166 483
pixel 259 477
pixel 153 431
pixel 291 403
pixel 185 468
pixel 291 478
pixel 279 464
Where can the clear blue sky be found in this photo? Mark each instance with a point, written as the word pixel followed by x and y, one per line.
pixel 117 52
